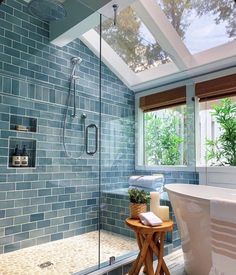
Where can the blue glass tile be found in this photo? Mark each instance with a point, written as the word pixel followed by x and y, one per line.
pixel 12 230
pixel 23 185
pixel 42 224
pixel 7 9
pixel 56 236
pixel 11 247
pixel 2 214
pixel 36 217
pixel 21 237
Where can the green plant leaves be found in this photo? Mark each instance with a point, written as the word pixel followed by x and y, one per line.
pixel 162 138
pixel 138 196
pixel 222 151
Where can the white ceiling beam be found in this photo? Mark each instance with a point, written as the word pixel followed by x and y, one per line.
pixel 155 20
pixel 110 58
pixel 80 18
pixel 160 71
pixel 222 52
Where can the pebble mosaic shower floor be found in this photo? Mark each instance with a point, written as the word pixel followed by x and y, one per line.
pixel 67 256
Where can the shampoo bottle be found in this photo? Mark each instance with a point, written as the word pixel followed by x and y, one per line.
pixel 16 157
pixel 24 157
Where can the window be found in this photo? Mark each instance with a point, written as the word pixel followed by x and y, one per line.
pixel 164 128
pixel 217 121
pixel 201 24
pixel 175 130
pixel 217 132
pixel 165 136
pixel 156 41
pixel 133 42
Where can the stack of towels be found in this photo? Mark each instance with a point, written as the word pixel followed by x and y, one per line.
pixel 154 182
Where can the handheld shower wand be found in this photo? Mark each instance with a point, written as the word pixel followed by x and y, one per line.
pixel 73 77
pixel 74 62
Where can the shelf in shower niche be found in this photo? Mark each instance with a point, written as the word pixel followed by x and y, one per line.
pixel 23 123
pixel 30 145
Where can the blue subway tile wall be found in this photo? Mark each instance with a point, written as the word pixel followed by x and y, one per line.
pixel 58 198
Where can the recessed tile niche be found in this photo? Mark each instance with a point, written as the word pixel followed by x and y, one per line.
pixel 30 145
pixel 23 123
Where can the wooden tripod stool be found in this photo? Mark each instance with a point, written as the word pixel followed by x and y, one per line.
pixel 150 240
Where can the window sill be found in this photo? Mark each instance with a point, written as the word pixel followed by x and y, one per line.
pixel 201 169
pixel 165 168
pixel 216 169
pixel 218 176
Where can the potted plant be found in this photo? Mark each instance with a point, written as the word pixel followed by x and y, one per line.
pixel 139 199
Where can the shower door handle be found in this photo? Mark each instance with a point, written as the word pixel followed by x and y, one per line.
pixel 90 126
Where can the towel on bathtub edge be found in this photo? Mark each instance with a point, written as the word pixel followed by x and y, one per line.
pixel 223 240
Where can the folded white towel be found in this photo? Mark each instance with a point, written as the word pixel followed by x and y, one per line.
pixel 150 218
pixel 151 182
pixel 223 237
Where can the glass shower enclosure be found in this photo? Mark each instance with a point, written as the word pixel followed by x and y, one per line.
pixel 105 112
pixel 65 213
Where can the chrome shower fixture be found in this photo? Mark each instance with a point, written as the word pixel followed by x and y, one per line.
pixel 74 62
pixel 115 9
pixel 83 116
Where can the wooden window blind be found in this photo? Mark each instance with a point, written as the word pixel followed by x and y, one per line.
pixel 216 88
pixel 163 100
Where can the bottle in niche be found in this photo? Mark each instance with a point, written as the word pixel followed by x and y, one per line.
pixel 24 157
pixel 16 157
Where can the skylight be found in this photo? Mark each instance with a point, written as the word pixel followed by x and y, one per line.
pixel 201 24
pixel 133 42
pixel 156 42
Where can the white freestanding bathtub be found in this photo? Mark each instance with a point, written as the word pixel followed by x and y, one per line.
pixel 191 204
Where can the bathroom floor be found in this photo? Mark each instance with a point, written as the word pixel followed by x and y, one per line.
pixel 65 256
pixel 174 261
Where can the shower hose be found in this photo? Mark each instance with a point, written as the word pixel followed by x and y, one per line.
pixel 72 80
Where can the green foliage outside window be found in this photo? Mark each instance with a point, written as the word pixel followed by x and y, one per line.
pixel 162 139
pixel 222 151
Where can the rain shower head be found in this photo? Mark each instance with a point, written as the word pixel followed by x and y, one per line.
pixel 76 60
pixel 47 10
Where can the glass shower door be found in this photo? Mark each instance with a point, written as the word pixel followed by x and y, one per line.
pixel 117 159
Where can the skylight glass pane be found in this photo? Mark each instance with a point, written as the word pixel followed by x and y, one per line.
pixel 133 42
pixel 202 24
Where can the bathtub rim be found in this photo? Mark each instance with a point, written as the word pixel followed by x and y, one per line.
pixel 204 196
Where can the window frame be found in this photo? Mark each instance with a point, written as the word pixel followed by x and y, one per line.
pixel 190 103
pixel 139 140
